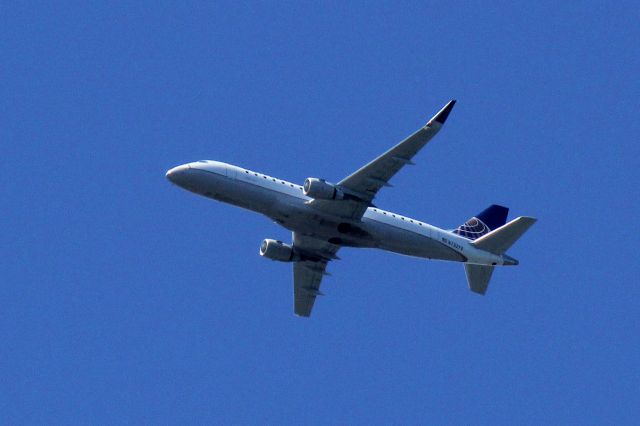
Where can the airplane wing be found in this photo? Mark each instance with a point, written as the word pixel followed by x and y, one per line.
pixel 308 272
pixel 365 183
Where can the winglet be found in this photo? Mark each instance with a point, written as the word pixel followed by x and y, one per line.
pixel 442 115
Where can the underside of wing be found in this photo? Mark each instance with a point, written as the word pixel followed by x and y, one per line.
pixel 363 185
pixel 306 286
pixel 369 179
pixel 309 270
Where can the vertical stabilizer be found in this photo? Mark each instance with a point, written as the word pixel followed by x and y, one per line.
pixel 481 224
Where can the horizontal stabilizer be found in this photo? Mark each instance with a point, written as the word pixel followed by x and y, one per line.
pixel 499 240
pixel 478 277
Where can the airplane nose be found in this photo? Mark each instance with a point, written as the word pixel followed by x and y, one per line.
pixel 174 174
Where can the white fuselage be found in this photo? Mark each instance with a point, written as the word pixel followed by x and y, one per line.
pixel 285 203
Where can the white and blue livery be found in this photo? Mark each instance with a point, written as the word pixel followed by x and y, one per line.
pixel 324 217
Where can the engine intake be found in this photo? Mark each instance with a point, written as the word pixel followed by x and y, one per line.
pixel 321 190
pixel 277 250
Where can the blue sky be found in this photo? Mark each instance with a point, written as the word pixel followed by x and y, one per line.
pixel 127 300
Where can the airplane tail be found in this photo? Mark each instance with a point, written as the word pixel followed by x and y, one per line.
pixel 478 277
pixel 497 242
pixel 489 219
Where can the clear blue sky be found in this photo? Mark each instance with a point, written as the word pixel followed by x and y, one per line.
pixel 127 300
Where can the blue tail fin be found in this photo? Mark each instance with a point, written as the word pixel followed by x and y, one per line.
pixel 491 218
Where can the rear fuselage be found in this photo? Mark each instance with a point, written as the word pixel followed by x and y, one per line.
pixel 285 203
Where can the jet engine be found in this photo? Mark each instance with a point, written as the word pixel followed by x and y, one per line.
pixel 321 190
pixel 277 250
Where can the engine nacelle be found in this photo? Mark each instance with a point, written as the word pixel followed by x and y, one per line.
pixel 277 250
pixel 321 190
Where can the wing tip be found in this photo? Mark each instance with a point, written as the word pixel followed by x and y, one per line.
pixel 442 115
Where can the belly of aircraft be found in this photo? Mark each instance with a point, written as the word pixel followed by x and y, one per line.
pixel 294 214
pixel 366 234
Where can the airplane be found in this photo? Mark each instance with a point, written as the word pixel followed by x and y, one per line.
pixel 324 217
